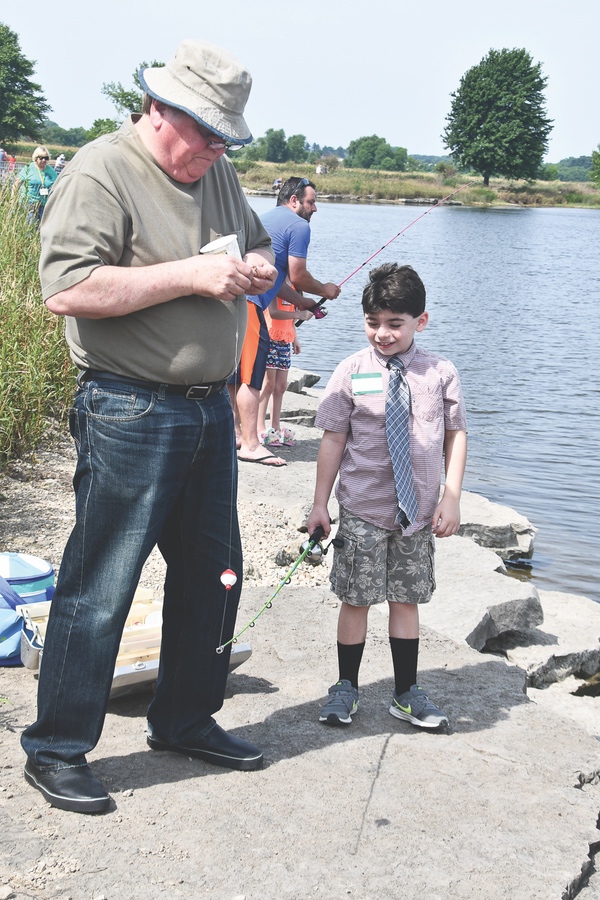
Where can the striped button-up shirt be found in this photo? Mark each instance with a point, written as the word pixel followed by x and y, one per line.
pixel 354 404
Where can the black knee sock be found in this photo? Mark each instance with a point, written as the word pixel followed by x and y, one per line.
pixel 405 653
pixel 349 658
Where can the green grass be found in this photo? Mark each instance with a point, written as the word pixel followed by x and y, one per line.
pixel 36 375
pixel 371 186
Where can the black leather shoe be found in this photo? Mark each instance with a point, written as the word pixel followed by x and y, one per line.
pixel 75 788
pixel 218 747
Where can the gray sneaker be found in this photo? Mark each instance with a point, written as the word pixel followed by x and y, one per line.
pixel 415 706
pixel 341 705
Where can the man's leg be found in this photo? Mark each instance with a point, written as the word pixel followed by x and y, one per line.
pixel 133 456
pixel 199 541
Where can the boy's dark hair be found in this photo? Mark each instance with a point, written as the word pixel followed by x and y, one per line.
pixel 394 287
pixel 293 186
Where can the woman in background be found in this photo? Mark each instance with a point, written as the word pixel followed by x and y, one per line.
pixel 34 183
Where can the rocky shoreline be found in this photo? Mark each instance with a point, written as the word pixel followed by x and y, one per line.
pixel 504 805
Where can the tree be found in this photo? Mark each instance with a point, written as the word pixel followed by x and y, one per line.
pixel 595 170
pixel 99 127
pixel 23 107
pixel 548 172
pixel 497 123
pixel 296 148
pixel 52 133
pixel 575 168
pixel 128 101
pixel 374 152
pixel 276 145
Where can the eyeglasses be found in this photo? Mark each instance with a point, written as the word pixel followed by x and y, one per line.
pixel 217 145
pixel 43 157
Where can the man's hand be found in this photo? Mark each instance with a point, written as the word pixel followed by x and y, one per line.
pixel 264 274
pixel 220 276
pixel 330 291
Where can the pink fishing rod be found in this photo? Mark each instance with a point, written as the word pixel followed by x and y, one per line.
pixel 396 236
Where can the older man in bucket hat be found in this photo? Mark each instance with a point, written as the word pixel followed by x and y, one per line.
pixel 155 329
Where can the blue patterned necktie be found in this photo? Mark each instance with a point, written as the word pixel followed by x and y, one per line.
pixel 397 410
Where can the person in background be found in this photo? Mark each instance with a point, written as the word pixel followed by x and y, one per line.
pixel 280 316
pixel 289 229
pixel 155 330
pixel 34 183
pixel 389 512
pixel 60 163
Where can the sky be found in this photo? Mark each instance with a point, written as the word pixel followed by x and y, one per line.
pixel 331 71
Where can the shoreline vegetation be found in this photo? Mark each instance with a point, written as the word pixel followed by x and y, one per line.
pixel 344 185
pixel 36 374
pixel 368 186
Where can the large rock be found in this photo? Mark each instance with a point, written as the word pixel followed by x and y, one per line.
pixel 567 645
pixel 475 600
pixel 298 379
pixel 500 528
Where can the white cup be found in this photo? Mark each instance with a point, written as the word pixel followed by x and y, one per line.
pixel 228 244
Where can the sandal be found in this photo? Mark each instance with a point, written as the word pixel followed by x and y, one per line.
pixel 270 438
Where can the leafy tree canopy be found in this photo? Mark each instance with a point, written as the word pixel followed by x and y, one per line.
pixel 297 148
pixel 497 123
pixel 128 101
pixel 52 133
pixel 99 127
pixel 275 147
pixel 595 170
pixel 374 152
pixel 22 105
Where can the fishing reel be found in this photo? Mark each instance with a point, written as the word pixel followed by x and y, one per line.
pixel 318 311
pixel 316 550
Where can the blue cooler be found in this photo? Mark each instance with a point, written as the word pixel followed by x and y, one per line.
pixel 24 579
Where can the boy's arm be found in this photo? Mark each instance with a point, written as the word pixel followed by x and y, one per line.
pixel 333 444
pixel 446 518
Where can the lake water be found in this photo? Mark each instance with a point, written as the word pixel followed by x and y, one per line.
pixel 514 301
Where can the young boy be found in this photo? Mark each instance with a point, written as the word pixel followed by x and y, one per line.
pixel 388 517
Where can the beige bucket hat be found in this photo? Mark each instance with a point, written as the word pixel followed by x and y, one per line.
pixel 207 83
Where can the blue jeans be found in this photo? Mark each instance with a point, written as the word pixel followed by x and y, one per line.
pixel 153 468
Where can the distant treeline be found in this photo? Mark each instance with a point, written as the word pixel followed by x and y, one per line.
pixel 569 169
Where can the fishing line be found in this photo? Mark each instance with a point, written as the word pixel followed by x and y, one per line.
pixel 377 252
pixel 228 575
pixel 396 236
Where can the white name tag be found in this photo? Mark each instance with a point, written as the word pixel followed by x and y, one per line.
pixel 44 192
pixel 367 383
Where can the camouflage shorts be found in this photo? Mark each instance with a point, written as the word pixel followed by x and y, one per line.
pixel 375 565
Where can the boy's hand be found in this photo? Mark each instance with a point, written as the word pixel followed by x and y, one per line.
pixel 446 518
pixel 318 516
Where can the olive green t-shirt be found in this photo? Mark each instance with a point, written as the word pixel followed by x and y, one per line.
pixel 114 206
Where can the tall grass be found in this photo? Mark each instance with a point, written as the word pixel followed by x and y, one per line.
pixel 36 375
pixel 372 186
